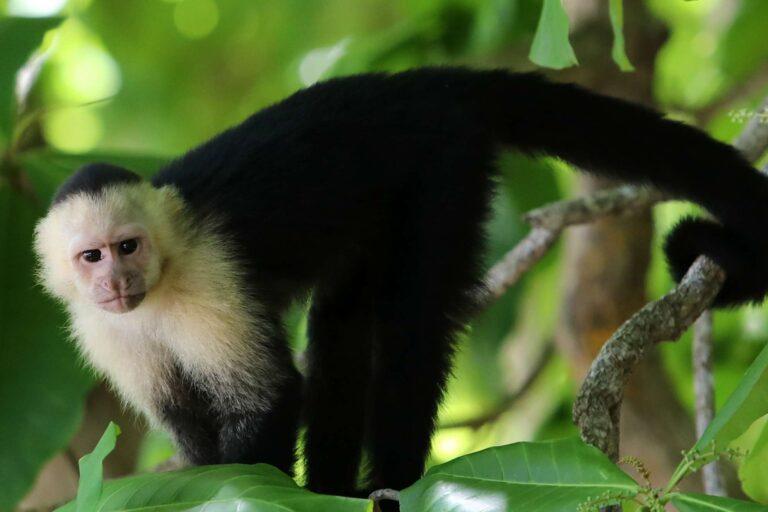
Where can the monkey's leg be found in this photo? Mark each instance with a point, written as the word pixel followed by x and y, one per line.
pixel 191 421
pixel 337 382
pixel 266 433
pixel 425 301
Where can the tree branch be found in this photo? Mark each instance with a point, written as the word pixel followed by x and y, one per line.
pixel 596 410
pixel 597 407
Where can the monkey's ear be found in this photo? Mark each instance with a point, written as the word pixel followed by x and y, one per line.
pixel 745 263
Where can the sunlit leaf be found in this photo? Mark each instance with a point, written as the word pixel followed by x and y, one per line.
pixel 543 476
pixel 92 470
pixel 18 38
pixel 617 23
pixel 703 503
pixel 745 405
pixel 752 473
pixel 255 488
pixel 551 47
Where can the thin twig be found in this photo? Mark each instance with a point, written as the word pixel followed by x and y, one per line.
pixel 515 263
pixel 704 391
pixel 753 140
pixel 507 402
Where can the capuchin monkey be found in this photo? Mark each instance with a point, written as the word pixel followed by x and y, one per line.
pixel 369 193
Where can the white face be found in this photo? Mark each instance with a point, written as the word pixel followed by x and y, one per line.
pixel 114 267
pixel 107 250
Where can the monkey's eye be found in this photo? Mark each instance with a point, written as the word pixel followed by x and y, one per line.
pixel 92 255
pixel 128 246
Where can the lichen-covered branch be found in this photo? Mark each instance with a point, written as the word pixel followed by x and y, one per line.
pixel 621 200
pixel 597 406
pixel 549 221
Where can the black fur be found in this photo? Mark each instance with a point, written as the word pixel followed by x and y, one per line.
pixel 372 191
pixel 92 178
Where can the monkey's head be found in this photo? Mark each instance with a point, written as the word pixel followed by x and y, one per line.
pixel 101 242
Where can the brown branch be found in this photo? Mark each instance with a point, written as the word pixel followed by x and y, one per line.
pixel 515 263
pixel 618 201
pixel 596 410
pixel 549 221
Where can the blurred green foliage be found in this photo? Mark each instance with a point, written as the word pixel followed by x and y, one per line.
pixel 139 82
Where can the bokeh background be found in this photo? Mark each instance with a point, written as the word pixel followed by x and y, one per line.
pixel 136 82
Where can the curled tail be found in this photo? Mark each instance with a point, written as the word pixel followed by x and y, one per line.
pixel 628 142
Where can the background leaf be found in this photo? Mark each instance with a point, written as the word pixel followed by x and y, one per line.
pixel 618 51
pixel 18 38
pixel 551 47
pixel 42 384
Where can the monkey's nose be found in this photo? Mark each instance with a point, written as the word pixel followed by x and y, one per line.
pixel 110 285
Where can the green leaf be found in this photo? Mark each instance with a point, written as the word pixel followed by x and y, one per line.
pixel 702 503
pixel 745 405
pixel 542 476
pixel 618 52
pixel 18 38
pixel 92 470
pixel 551 47
pixel 42 383
pixel 252 488
pixel 752 473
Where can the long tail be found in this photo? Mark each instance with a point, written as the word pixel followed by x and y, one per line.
pixel 625 141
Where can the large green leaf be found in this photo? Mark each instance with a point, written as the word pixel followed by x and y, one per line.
pixel 18 37
pixel 745 405
pixel 543 476
pixel 42 384
pixel 236 487
pixel 703 503
pixel 551 47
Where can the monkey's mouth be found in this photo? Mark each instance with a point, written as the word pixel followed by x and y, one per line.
pixel 122 303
